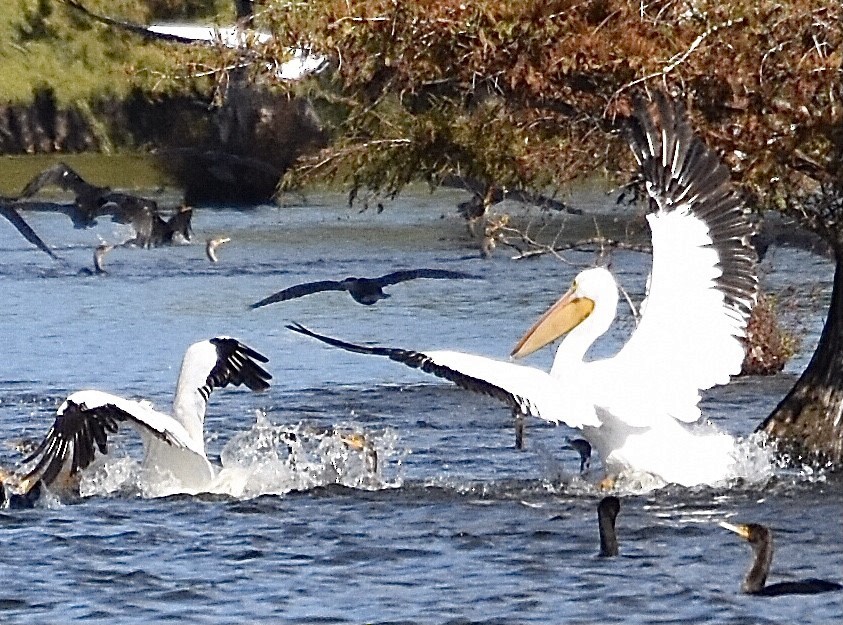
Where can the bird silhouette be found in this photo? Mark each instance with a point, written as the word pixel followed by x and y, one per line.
pixel 363 290
pixel 14 217
pixel 607 512
pixel 583 448
pixel 93 201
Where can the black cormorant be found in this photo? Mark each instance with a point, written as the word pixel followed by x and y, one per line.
pixel 93 201
pixel 364 290
pixel 583 447
pixel 760 539
pixel 607 512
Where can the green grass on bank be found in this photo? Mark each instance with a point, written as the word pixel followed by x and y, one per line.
pixel 122 171
pixel 45 42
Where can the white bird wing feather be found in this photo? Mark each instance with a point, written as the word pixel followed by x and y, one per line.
pixel 686 340
pixel 535 392
pixel 527 389
pixel 141 416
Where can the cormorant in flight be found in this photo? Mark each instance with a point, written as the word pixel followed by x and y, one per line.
pixel 364 290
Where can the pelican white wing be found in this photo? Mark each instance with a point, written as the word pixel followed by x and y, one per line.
pixel 528 390
pixel 702 286
pixel 83 423
pixel 700 294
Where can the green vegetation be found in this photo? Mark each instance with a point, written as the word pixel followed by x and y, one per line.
pixel 47 43
pixel 129 171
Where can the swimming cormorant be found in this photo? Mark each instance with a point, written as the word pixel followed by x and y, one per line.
pixel 583 447
pixel 760 539
pixel 211 246
pixel 607 512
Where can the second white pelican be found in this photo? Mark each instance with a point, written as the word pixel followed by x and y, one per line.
pixel 637 407
pixel 174 445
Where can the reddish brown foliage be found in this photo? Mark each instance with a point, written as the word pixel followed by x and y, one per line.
pixel 528 93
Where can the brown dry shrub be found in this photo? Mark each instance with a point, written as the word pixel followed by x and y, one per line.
pixel 769 346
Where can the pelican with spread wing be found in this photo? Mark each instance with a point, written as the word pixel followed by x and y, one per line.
pixel 639 408
pixel 174 445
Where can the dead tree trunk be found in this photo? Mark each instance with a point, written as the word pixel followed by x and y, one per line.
pixel 808 423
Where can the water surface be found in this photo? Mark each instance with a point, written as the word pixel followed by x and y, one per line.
pixel 455 526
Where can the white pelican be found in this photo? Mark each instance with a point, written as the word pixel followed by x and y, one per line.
pixel 636 407
pixel 174 445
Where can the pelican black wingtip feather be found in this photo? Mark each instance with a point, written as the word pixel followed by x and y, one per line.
pixel 420 360
pixel 681 170
pixel 238 364
pixel 80 430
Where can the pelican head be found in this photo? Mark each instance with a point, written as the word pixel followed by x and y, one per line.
pixel 589 287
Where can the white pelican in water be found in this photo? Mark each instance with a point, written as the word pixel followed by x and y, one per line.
pixel 637 407
pixel 174 445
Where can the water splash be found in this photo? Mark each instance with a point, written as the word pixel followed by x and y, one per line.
pixel 275 459
pixel 721 458
pixel 269 459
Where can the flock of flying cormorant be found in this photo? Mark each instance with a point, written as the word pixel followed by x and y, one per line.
pixel 702 262
pixel 90 203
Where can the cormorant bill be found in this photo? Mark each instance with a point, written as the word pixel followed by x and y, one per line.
pixel 211 246
pixel 24 228
pixel 607 512
pixel 583 447
pixel 760 539
pixel 364 290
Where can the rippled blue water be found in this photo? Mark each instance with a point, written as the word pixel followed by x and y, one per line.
pixel 457 527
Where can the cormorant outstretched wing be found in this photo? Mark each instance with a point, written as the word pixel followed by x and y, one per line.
pixel 60 175
pixel 411 274
pixel 300 290
pixel 18 222
pixel 90 198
